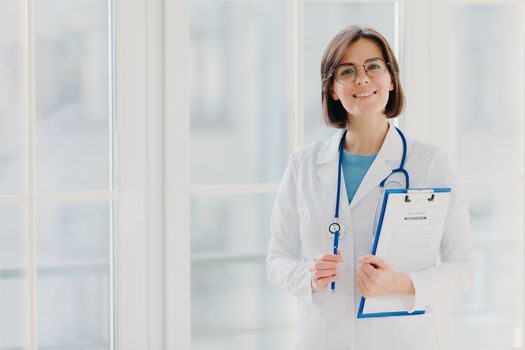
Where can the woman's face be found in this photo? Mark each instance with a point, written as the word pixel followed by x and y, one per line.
pixel 365 96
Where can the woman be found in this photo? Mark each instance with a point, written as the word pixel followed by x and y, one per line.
pixel 361 90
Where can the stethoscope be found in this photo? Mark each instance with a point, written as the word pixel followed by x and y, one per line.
pixel 335 227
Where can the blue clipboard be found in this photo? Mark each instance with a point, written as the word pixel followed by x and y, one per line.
pixel 360 313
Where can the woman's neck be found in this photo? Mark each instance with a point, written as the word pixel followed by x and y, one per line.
pixel 366 135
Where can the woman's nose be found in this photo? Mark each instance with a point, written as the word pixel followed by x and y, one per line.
pixel 361 76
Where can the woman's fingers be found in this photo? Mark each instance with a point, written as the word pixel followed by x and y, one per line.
pixel 325 281
pixel 324 270
pixel 373 260
pixel 324 265
pixel 369 270
pixel 329 257
pixel 363 288
pixel 324 273
pixel 361 277
pixel 331 279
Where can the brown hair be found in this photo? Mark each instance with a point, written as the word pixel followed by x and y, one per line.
pixel 334 114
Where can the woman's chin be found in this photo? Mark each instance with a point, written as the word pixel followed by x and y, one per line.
pixel 366 114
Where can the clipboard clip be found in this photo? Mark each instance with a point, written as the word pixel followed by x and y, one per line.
pixel 409 192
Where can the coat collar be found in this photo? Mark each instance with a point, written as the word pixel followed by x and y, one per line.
pixel 387 159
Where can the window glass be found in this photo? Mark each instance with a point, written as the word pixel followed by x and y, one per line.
pixel 13 278
pixel 233 304
pixel 239 95
pixel 72 95
pixel 13 124
pixel 73 251
pixel 486 74
pixel 486 93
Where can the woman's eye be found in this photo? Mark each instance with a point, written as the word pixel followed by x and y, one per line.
pixel 348 72
pixel 374 66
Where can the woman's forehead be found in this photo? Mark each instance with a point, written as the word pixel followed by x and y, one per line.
pixel 360 51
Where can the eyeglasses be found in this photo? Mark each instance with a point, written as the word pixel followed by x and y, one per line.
pixel 346 73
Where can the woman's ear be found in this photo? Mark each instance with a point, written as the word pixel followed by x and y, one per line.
pixel 334 96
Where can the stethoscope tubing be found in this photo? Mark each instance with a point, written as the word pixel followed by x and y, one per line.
pixel 400 169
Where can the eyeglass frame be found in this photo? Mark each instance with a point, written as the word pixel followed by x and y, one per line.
pixel 332 74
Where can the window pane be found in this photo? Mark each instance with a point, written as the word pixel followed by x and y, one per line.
pixel 486 102
pixel 72 95
pixel 234 307
pixel 12 114
pixel 235 224
pixel 73 257
pixel 322 21
pixel 14 306
pixel 13 283
pixel 486 90
pixel 239 101
pixel 233 304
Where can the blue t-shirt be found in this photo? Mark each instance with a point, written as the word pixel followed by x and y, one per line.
pixel 354 169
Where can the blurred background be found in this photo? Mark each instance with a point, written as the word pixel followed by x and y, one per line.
pixel 253 93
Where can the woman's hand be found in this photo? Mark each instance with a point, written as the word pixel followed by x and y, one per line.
pixel 323 270
pixel 375 278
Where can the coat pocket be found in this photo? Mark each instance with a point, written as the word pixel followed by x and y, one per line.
pixel 311 328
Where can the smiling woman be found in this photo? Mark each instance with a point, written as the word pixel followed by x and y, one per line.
pixel 364 93
pixel 343 84
pixel 361 92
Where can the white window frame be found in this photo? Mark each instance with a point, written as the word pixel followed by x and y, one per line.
pixel 153 273
pixel 177 176
pixel 152 158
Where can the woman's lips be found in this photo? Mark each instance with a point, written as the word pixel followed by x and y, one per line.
pixel 364 95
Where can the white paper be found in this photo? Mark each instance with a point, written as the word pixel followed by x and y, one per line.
pixel 409 239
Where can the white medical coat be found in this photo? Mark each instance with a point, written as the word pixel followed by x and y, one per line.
pixel 303 210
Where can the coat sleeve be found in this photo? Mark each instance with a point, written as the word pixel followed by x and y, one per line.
pixel 285 265
pixel 458 264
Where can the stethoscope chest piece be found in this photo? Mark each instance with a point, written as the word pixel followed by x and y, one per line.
pixel 335 227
